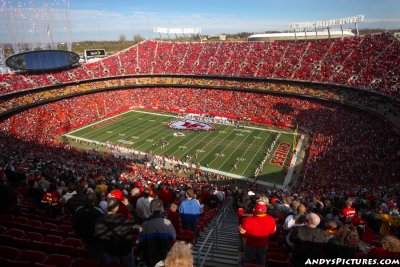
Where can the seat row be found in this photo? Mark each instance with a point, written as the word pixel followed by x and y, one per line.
pixel 368 62
pixel 14 257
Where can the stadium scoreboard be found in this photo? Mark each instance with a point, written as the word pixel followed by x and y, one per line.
pixel 93 53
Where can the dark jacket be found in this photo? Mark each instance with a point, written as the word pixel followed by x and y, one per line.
pixel 75 202
pixel 114 231
pixel 335 249
pixel 84 221
pixel 155 238
pixel 309 243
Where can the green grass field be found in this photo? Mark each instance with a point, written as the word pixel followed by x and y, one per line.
pixel 229 150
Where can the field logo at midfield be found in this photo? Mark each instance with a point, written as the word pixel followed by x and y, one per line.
pixel 280 154
pixel 190 125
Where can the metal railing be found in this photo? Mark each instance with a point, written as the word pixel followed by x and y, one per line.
pixel 211 247
pixel 213 234
pixel 220 219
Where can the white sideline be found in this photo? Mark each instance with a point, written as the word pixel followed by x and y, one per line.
pixel 186 164
pixel 289 174
pixel 97 122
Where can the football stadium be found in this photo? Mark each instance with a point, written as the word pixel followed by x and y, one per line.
pixel 190 148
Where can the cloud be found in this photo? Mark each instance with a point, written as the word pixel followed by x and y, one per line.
pixel 108 25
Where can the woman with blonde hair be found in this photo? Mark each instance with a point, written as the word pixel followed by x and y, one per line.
pixel 344 244
pixel 179 255
pixel 390 248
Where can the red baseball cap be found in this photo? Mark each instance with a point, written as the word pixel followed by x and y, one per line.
pixel 260 208
pixel 117 194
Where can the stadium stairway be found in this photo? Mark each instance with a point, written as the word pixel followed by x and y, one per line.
pixel 223 238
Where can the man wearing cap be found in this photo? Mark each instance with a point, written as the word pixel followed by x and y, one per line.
pixel 255 231
pixel 123 209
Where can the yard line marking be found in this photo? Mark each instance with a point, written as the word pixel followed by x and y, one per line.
pixel 100 129
pixel 244 139
pixel 249 127
pixel 216 146
pixel 89 125
pixel 157 114
pixel 117 130
pixel 254 139
pixel 267 130
pixel 129 125
pixel 188 139
pixel 255 155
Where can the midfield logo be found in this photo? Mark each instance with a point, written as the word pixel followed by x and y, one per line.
pixel 191 125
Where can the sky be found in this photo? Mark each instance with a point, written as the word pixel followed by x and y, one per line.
pixel 108 19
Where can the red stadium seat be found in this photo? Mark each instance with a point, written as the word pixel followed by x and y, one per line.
pixel 66 228
pixel 85 262
pixel 276 256
pixel 186 235
pixel 18 263
pixel 75 242
pixel 21 243
pixel 17 233
pixel 9 252
pixel 33 236
pixel 58 260
pixel 274 247
pixel 35 223
pixel 37 264
pixel 21 219
pixel 43 246
pixel 32 256
pixel 112 265
pixel 70 250
pixel 277 263
pixel 51 226
pixel 53 239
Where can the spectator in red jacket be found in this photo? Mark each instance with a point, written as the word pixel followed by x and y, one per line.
pixel 50 200
pixel 348 213
pixel 165 195
pixel 256 231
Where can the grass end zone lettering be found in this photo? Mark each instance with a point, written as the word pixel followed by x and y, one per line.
pixel 280 154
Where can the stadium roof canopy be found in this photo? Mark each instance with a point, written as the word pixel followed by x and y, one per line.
pixel 300 35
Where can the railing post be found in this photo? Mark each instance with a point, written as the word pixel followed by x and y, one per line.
pixel 213 236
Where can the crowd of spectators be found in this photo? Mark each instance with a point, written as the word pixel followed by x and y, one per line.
pixel 330 225
pixel 104 196
pixel 346 148
pixel 369 62
pixel 351 155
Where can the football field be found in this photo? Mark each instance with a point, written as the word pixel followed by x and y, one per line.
pixel 225 150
